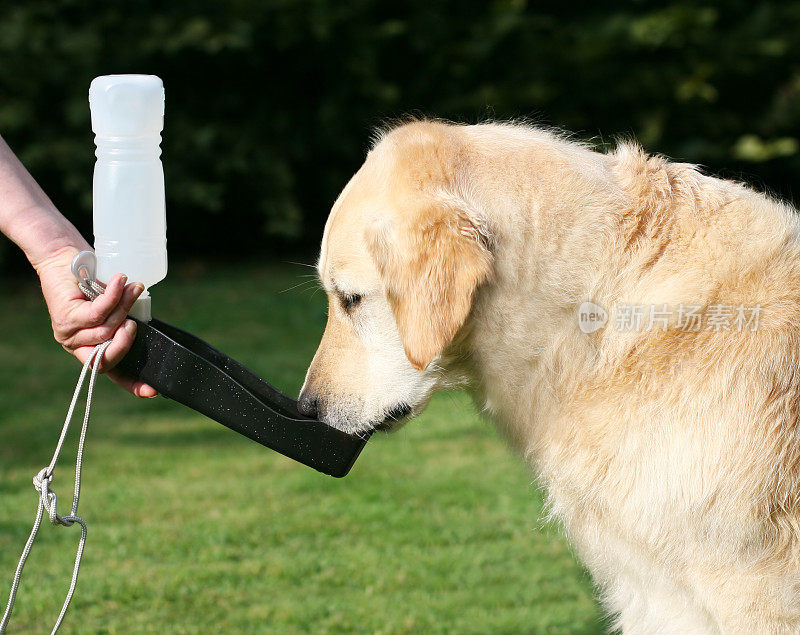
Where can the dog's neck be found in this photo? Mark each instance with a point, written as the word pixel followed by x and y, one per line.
pixel 591 227
pixel 524 319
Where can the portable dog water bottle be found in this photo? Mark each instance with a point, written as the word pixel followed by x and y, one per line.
pixel 130 228
pixel 130 238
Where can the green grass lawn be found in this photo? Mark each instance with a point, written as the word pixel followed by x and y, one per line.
pixel 193 528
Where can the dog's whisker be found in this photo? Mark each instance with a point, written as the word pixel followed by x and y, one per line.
pixel 299 264
pixel 304 283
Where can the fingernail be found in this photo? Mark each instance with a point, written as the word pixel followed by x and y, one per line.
pixel 130 327
pixel 124 280
pixel 137 289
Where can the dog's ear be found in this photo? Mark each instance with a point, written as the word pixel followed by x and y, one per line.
pixel 431 267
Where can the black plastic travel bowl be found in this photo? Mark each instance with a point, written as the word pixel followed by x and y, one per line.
pixel 190 371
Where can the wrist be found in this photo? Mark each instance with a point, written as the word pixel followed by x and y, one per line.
pixel 59 257
pixel 47 236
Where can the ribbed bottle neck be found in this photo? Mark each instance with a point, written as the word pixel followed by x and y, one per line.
pixel 132 148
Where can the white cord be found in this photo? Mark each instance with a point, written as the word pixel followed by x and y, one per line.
pixel 47 497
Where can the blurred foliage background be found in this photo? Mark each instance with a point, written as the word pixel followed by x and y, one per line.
pixel 271 103
pixel 270 108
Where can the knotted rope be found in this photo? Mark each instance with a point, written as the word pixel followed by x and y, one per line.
pixel 44 479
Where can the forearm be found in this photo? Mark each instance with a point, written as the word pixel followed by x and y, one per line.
pixel 28 217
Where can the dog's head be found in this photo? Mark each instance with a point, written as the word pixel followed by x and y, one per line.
pixel 402 257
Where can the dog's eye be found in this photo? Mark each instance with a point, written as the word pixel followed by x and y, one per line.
pixel 350 301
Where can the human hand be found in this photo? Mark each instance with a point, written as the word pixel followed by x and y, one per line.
pixel 79 324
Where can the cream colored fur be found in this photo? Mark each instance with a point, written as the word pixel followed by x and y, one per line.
pixel 670 457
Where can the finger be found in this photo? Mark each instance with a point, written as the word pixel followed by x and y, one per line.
pixel 82 353
pixel 99 334
pixel 133 386
pixel 69 309
pixel 96 312
pixel 89 338
pixel 129 296
pixel 120 344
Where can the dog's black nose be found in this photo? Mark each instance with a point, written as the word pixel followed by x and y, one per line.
pixel 307 403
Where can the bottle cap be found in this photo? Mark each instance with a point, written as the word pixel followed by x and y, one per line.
pixel 127 105
pixel 142 309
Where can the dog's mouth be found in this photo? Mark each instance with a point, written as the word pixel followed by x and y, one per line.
pixel 394 419
pixel 396 416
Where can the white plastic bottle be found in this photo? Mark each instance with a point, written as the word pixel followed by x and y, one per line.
pixel 130 227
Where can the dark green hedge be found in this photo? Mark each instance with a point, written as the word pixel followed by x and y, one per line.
pixel 270 103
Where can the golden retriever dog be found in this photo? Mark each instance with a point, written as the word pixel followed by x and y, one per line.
pixel 631 324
